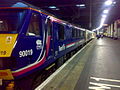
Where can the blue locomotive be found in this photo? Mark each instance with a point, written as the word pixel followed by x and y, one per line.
pixel 31 40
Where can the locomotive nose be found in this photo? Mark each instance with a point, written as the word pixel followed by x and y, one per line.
pixel 7 42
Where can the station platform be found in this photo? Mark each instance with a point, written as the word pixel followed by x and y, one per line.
pixel 94 67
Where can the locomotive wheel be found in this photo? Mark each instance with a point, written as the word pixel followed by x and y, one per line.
pixel 65 58
pixel 68 56
pixel 72 53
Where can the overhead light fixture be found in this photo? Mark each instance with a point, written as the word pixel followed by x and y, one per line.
pixel 106 11
pixel 102 20
pixel 101 24
pixel 109 2
pixel 114 2
pixel 56 9
pixel 105 24
pixel 104 16
pixel 81 5
pixel 52 7
pixel 1 21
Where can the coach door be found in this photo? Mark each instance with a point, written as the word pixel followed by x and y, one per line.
pixel 49 28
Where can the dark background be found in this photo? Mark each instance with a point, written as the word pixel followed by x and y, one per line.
pixel 86 17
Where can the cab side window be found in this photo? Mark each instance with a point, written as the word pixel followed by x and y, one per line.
pixel 34 25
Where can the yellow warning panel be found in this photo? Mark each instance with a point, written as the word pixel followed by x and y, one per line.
pixel 7 42
pixel 6 74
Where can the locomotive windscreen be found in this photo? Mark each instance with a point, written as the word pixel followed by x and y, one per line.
pixel 11 20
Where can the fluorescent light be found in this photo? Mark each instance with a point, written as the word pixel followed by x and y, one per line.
pixel 1 21
pixel 108 2
pixel 105 24
pixel 114 2
pixel 52 7
pixel 104 16
pixel 102 20
pixel 101 24
pixel 80 5
pixel 55 9
pixel 106 11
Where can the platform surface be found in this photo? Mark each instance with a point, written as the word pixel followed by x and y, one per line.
pixel 102 70
pixel 96 67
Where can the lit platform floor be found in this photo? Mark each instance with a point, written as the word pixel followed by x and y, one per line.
pixel 96 67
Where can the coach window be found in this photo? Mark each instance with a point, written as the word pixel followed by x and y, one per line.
pixel 76 33
pixel 61 32
pixel 79 33
pixel 73 32
pixel 33 28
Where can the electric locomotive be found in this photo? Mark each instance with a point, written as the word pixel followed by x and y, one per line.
pixel 31 40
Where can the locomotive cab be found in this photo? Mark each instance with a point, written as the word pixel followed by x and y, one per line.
pixel 21 42
pixel 10 22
